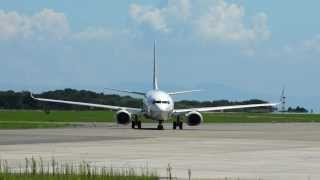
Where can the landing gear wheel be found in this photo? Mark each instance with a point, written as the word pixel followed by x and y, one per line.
pixel 160 127
pixel 174 125
pixel 133 124
pixel 181 125
pixel 178 123
pixel 139 124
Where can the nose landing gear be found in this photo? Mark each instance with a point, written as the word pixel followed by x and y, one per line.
pixel 137 123
pixel 160 126
pixel 178 123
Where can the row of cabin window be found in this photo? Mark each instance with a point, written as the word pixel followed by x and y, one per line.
pixel 161 102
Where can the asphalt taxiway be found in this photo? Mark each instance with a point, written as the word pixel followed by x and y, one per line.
pixel 288 151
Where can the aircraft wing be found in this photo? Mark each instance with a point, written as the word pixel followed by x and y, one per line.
pixel 183 92
pixel 127 91
pixel 115 108
pixel 219 108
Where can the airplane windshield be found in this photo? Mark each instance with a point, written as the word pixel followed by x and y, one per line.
pixel 160 102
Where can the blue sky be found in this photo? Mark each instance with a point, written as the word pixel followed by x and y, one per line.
pixel 234 49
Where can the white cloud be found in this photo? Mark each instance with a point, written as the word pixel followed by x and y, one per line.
pixel 312 44
pixel 260 26
pixel 52 23
pixel 218 21
pixel 179 8
pixel 225 22
pixel 46 23
pixel 92 33
pixel 304 47
pixel 152 17
pixel 160 18
pixel 8 24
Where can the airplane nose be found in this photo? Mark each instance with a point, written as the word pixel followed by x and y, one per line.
pixel 162 112
pixel 162 107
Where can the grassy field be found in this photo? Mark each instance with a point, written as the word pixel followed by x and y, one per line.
pixel 55 119
pixel 259 118
pixel 38 170
pixel 70 177
pixel 30 125
pixel 57 116
pixel 39 119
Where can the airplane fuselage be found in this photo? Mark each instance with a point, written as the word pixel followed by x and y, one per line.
pixel 158 105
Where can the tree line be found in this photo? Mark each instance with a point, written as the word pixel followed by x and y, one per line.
pixel 297 109
pixel 23 101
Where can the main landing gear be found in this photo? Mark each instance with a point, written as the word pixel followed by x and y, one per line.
pixel 135 122
pixel 178 123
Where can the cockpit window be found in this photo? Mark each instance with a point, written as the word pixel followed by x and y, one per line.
pixel 160 102
pixel 156 102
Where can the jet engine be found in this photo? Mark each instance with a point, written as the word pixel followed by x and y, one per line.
pixel 123 117
pixel 194 118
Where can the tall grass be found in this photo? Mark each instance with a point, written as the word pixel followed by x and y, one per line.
pixel 37 170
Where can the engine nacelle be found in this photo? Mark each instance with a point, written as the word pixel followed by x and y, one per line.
pixel 194 118
pixel 123 117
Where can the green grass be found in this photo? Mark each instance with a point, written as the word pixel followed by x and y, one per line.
pixel 30 125
pixel 57 116
pixel 53 170
pixel 55 119
pixel 70 177
pixel 39 119
pixel 259 118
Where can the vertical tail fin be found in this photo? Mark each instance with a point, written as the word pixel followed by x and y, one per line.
pixel 155 79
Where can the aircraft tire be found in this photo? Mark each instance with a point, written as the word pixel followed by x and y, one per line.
pixel 181 125
pixel 133 124
pixel 160 127
pixel 174 125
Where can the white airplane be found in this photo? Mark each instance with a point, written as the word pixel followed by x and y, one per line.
pixel 158 106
